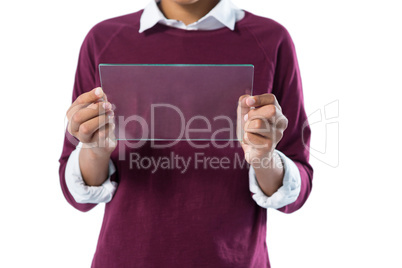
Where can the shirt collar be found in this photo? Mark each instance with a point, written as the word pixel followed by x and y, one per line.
pixel 225 14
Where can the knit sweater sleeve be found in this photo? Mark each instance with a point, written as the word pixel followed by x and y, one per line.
pixel 85 80
pixel 287 87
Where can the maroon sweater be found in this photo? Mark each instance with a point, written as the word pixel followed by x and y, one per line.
pixel 204 217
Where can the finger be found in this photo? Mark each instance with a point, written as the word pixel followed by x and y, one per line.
pixel 74 109
pixel 259 126
pixel 87 129
pixel 272 134
pixel 256 141
pixel 261 100
pixel 270 114
pixel 267 113
pixel 104 136
pixel 242 110
pixel 89 97
pixel 88 113
pixel 242 107
pixel 264 129
pixel 104 98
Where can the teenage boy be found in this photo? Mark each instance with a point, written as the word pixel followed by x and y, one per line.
pixel 204 217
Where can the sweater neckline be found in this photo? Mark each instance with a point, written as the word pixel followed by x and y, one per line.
pixel 182 32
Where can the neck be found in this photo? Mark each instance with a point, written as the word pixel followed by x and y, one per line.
pixel 186 11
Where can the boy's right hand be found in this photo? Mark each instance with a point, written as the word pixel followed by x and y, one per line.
pixel 90 120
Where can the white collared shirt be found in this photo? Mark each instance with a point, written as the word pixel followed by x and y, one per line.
pixel 224 14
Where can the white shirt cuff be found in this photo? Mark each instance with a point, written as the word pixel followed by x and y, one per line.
pixel 286 194
pixel 83 193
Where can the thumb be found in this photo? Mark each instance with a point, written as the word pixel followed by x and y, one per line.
pixel 242 110
pixel 92 96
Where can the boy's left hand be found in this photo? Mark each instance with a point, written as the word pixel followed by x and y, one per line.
pixel 260 126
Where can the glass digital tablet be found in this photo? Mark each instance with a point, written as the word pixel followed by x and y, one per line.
pixel 176 102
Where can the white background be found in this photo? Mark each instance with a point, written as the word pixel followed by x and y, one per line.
pixel 349 53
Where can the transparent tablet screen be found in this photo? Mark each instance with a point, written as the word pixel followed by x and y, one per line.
pixel 176 102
